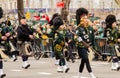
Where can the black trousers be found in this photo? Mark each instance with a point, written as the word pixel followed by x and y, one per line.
pixel 62 62
pixel 84 60
pixel 24 58
pixel 1 64
pixel 70 50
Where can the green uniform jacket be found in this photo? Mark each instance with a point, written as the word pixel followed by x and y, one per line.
pixel 87 34
pixel 59 43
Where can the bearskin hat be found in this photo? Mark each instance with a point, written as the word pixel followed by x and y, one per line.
pixel 110 19
pixel 79 13
pixel 1 12
pixel 57 22
pixel 54 15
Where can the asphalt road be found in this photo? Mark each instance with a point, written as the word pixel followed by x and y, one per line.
pixel 45 68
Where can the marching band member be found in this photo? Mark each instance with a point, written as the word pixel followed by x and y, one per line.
pixel 2 38
pixel 8 28
pixel 24 35
pixel 84 33
pixel 118 46
pixel 51 35
pixel 70 40
pixel 59 43
pixel 111 34
pixel 6 35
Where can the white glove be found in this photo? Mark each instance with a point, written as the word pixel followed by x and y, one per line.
pixel 80 39
pixel 49 30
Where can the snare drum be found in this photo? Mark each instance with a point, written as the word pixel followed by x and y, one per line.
pixel 101 42
pixel 26 49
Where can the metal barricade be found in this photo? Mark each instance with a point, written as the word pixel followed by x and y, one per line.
pixel 101 46
pixel 45 45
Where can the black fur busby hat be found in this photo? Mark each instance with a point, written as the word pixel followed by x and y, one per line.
pixel 1 12
pixel 110 19
pixel 79 13
pixel 54 15
pixel 57 22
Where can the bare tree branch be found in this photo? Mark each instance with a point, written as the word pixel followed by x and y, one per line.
pixel 65 10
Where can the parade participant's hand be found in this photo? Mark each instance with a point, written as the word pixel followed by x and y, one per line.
pixel 11 38
pixel 34 34
pixel 89 49
pixel 48 26
pixel 49 30
pixel 73 32
pixel 95 27
pixel 118 40
pixel 69 41
pixel 66 44
pixel 7 34
pixel 31 36
pixel 4 38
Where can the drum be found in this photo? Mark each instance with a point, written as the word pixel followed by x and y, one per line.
pixel 101 42
pixel 26 49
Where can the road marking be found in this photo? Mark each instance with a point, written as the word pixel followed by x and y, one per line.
pixel 44 73
pixel 16 70
pixel 78 77
pixel 100 64
pixel 42 62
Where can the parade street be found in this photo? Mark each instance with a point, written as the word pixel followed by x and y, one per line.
pixel 45 68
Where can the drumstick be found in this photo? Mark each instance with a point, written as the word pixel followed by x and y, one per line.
pixel 88 46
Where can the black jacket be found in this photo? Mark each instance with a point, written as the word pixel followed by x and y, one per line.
pixel 23 33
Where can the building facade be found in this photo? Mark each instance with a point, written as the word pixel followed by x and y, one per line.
pixel 12 4
pixel 99 7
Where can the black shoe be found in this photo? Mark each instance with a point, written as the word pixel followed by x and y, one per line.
pixel 26 67
pixel 67 59
pixel 60 71
pixel 73 61
pixel 3 75
pixel 118 68
pixel 67 70
pixel 15 59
